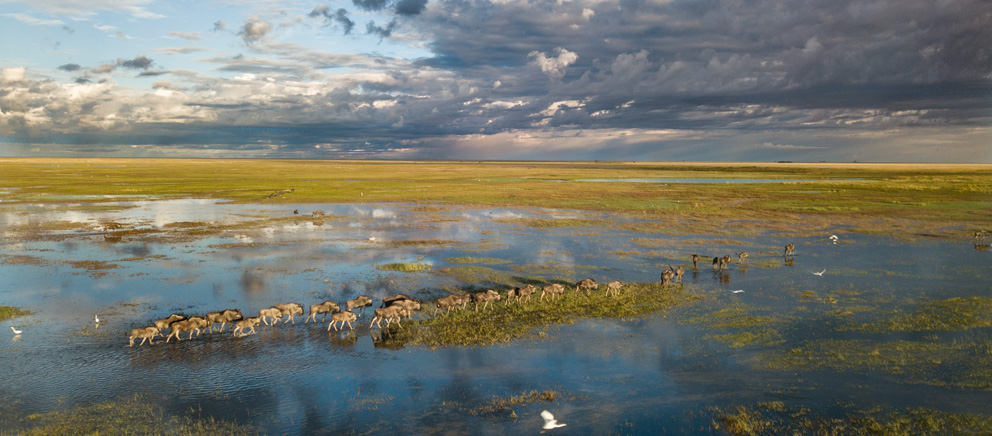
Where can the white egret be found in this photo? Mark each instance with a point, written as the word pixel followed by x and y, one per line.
pixel 16 331
pixel 819 273
pixel 549 421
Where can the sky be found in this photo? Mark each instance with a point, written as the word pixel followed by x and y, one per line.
pixel 647 80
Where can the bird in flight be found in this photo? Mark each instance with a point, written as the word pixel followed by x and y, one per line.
pixel 819 273
pixel 738 291
pixel 549 421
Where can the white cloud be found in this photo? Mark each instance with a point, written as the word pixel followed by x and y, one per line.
pixel 554 67
pixel 89 8
pixel 27 19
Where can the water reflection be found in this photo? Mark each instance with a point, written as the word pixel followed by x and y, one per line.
pixel 301 379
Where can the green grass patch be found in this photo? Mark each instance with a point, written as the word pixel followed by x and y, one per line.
pixel 404 267
pixel 776 418
pixel 477 260
pixel 505 323
pixel 8 312
pixel 140 415
pixel 960 313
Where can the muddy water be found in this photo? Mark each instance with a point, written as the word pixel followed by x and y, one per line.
pixel 614 376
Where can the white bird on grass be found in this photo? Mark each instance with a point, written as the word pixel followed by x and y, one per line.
pixel 372 239
pixel 819 273
pixel 738 291
pixel 16 331
pixel 96 319
pixel 549 421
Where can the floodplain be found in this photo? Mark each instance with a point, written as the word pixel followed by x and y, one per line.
pixel 893 337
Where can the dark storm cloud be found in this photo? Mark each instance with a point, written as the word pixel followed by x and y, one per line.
pixel 340 17
pixel 70 67
pixel 370 5
pixel 382 32
pixel 410 7
pixel 138 63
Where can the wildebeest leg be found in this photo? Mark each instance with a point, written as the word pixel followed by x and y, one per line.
pixel 322 319
pixel 349 325
pixel 142 342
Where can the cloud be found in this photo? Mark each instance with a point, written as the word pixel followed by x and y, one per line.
pixel 27 19
pixel 82 9
pixel 383 32
pixel 138 63
pixel 70 67
pixel 410 7
pixel 554 67
pixel 254 30
pixel 178 50
pixel 789 146
pixel 370 5
pixel 340 17
pixel 189 36
pixel 219 26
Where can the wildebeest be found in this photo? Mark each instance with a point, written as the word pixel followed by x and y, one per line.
pixel 464 299
pixel 148 333
pixel 386 302
pixel 389 314
pixel 721 262
pixel 191 324
pixel 695 261
pixel 789 248
pixel 270 313
pixel 613 287
pixel 587 284
pixel 324 308
pixel 553 291
pixel 290 309
pixel 229 315
pixel 526 291
pixel 742 257
pixel 446 303
pixel 485 298
pixel 359 302
pixel 981 234
pixel 318 213
pixel 247 323
pixel 667 275
pixel 343 317
pixel 163 323
pixel 409 305
pixel 679 272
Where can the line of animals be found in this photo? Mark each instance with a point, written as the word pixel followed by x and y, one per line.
pixel 393 308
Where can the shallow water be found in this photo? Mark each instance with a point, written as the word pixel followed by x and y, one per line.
pixel 615 376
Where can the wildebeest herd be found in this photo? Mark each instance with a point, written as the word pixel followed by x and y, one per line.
pixel 393 308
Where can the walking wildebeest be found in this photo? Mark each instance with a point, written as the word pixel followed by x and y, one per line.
pixel 389 314
pixel 191 324
pixel 485 298
pixel 324 308
pixel 742 257
pixel 247 323
pixel 587 284
pixel 270 313
pixel 148 333
pixel 290 309
pixel 667 275
pixel 359 302
pixel 679 272
pixel 446 303
pixel 614 288
pixel 695 261
pixel 386 302
pixel 344 317
pixel 789 248
pixel 163 323
pixel 409 305
pixel 526 291
pixel 553 290
pixel 229 315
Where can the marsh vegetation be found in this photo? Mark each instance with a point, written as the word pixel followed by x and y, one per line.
pixel 896 322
